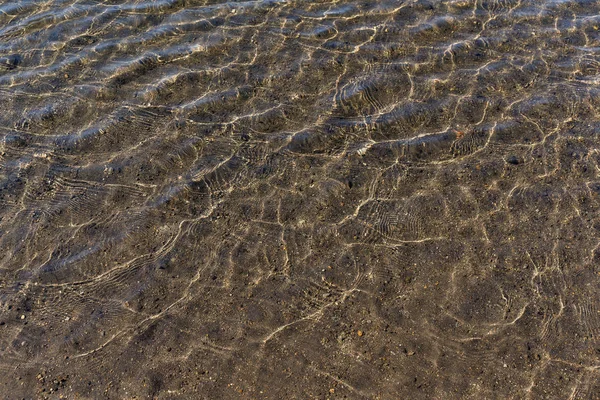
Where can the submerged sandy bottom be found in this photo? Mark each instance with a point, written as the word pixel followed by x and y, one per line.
pixel 299 199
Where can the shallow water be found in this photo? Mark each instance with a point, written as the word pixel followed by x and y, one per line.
pixel 300 199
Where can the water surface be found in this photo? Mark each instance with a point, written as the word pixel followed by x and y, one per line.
pixel 300 199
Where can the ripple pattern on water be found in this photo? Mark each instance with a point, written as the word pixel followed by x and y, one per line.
pixel 293 199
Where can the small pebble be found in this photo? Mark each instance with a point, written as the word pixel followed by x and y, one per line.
pixel 360 333
pixel 23 316
pixel 512 160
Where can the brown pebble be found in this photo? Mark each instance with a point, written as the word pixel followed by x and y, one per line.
pixel 360 333
pixel 332 390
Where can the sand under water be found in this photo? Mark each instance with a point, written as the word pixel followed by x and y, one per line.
pixel 300 199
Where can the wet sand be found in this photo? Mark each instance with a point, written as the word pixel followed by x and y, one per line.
pixel 299 200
